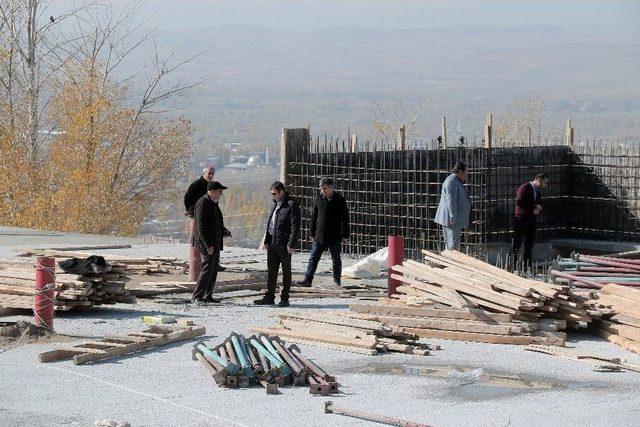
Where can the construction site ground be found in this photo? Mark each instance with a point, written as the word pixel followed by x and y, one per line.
pixel 461 384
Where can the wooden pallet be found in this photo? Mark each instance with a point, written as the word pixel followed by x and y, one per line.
pixel 120 345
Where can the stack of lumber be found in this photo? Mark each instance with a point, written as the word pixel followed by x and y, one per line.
pixel 346 331
pixel 459 281
pixel 620 323
pixel 17 288
pixel 593 272
pixel 131 265
pixel 438 321
pixel 264 361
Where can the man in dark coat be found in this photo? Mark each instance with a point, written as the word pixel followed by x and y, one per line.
pixel 527 210
pixel 281 239
pixel 329 228
pixel 208 234
pixel 196 190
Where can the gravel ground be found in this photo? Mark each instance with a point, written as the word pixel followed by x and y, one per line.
pixel 165 387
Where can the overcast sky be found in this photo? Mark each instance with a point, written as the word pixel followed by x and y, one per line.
pixel 606 16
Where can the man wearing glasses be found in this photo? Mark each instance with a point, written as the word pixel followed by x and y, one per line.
pixel 283 232
pixel 208 234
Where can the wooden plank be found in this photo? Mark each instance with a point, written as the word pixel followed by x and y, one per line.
pixel 625 331
pixel 625 292
pixel 626 320
pixel 471 336
pixel 348 349
pixel 177 335
pixel 309 326
pixel 30 276
pixel 83 350
pixel 335 320
pixel 287 333
pixel 17 290
pixel 432 312
pixel 620 341
pixel 621 305
pixel 455 325
pixel 53 355
pixel 105 344
pixel 593 360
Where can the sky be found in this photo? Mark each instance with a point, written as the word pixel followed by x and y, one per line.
pixel 579 56
pixel 607 16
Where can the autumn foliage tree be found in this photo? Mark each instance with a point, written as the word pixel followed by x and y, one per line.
pixel 108 158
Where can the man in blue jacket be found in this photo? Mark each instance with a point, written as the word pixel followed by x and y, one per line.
pixel 283 233
pixel 454 209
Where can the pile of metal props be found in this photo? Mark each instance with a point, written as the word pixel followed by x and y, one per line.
pixel 262 360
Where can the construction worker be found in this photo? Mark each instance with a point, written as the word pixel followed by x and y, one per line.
pixel 527 210
pixel 281 239
pixel 329 228
pixel 454 209
pixel 208 234
pixel 196 190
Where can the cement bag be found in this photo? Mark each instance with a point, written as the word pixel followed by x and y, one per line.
pixel 367 268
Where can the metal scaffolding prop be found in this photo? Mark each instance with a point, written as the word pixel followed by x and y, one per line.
pixel 394 189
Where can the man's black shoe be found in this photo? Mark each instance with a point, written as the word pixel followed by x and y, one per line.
pixel 264 301
pixel 210 300
pixel 337 283
pixel 304 283
pixel 283 303
pixel 221 268
pixel 197 300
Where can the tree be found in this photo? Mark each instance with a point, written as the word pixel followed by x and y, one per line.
pixel 524 115
pixel 391 116
pixel 113 155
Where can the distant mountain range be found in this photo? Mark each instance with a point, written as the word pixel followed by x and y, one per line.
pixel 333 79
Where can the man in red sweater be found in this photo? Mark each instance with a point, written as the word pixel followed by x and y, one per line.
pixel 528 208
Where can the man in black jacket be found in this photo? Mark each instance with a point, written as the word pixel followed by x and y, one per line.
pixel 329 228
pixel 283 232
pixel 208 234
pixel 196 190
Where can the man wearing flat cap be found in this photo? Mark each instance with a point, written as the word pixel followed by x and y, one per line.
pixel 208 234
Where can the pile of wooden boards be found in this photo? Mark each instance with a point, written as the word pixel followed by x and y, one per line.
pixel 620 323
pixel 347 331
pixel 262 360
pixel 131 265
pixel 459 281
pixel 17 288
pixel 594 272
pixel 467 325
pixel 122 344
